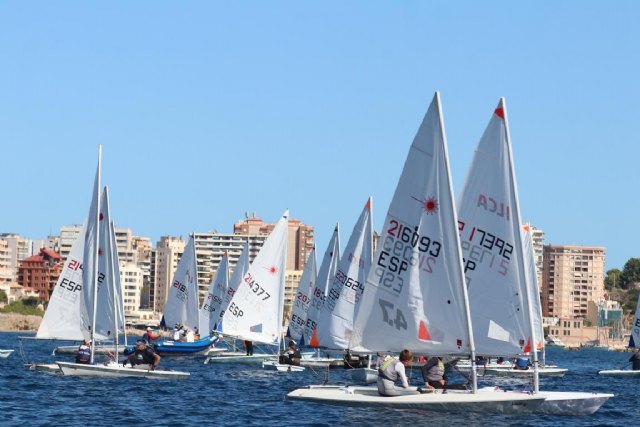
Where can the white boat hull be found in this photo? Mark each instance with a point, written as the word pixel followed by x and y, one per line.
pixel 100 349
pixel 487 401
pixel 571 403
pixel 5 353
pixel 621 372
pixel 117 371
pixel 51 368
pixel 321 362
pixel 510 372
pixel 275 366
pixel 237 357
pixel 364 375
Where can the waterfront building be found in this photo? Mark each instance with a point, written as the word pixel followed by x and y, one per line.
pixel 40 272
pixel 167 254
pixel 572 276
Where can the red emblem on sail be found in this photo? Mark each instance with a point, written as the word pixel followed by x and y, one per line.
pixel 500 112
pixel 423 333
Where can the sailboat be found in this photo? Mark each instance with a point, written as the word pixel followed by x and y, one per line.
pixel 255 312
pixel 101 309
pixel 416 295
pixel 182 308
pixel 502 292
pixel 634 342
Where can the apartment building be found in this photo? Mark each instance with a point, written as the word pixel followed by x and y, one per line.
pixel 572 276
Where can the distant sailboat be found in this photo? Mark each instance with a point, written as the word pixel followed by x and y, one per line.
pixel 634 342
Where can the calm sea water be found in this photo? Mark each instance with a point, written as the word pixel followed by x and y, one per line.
pixel 248 396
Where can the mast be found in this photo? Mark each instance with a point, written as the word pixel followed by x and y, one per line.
pixel 95 257
pixel 460 270
pixel 520 246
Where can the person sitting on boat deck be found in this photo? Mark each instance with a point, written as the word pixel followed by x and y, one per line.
pixel 143 354
pixel 196 333
pixel 635 359
pixel 522 363
pixel 292 354
pixel 84 353
pixel 248 345
pixel 500 361
pixel 392 370
pixel 434 374
pixel 353 361
pixel 149 336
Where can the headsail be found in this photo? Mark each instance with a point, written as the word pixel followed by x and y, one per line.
pixel 415 294
pixel 182 301
pixel 300 305
pixel 255 312
pixel 335 323
pixel 210 309
pixel 490 232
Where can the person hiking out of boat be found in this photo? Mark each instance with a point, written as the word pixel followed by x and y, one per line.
pixel 83 354
pixel 248 345
pixel 522 363
pixel 392 370
pixel 149 335
pixel 143 354
pixel 635 360
pixel 292 354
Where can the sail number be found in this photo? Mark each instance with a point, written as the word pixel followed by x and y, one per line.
pixel 341 281
pixel 235 310
pixel 256 288
pixel 399 321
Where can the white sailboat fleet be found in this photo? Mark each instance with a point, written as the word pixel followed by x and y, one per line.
pixel 416 292
pixel 100 306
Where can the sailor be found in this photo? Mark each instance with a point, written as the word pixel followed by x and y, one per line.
pixel 143 354
pixel 522 363
pixel 84 353
pixel 149 336
pixel 392 370
pixel 433 373
pixel 177 332
pixel 292 354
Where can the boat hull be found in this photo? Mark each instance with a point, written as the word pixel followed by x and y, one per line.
pixel 364 375
pixel 621 372
pixel 237 357
pixel 200 346
pixel 5 353
pixel 571 403
pixel 322 362
pixel 275 366
pixel 51 368
pixel 510 372
pixel 100 349
pixel 486 402
pixel 117 371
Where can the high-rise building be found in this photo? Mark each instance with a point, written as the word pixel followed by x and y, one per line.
pixel 572 276
pixel 167 254
pixel 40 272
pixel 131 280
pixel 6 272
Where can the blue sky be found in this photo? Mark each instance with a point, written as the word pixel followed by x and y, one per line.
pixel 206 110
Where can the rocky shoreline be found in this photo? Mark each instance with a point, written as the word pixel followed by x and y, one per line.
pixel 14 322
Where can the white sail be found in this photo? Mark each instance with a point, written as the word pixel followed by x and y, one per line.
pixel 108 274
pixel 182 302
pixel 242 266
pixel 319 293
pixel 62 318
pixel 490 234
pixel 634 339
pixel 303 297
pixel 255 312
pixel 534 291
pixel 335 323
pixel 210 309
pixel 90 274
pixel 415 295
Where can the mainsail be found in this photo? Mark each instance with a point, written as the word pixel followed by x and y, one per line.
pixel 242 266
pixel 335 323
pixel 182 302
pixel 319 293
pixel 634 339
pixel 534 289
pixel 210 309
pixel 255 312
pixel 300 305
pixel 490 233
pixel 62 318
pixel 415 294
